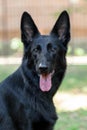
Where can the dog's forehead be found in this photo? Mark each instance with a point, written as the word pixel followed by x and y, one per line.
pixel 45 39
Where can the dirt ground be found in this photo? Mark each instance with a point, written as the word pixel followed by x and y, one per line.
pixel 70 102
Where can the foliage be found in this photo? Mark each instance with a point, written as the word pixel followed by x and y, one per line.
pixel 12 47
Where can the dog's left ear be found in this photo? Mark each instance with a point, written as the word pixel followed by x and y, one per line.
pixel 28 28
pixel 62 28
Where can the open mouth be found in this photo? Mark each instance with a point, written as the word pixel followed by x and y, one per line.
pixel 45 82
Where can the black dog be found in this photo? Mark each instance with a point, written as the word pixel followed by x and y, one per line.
pixel 26 95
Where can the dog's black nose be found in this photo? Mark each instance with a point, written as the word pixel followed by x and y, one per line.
pixel 43 68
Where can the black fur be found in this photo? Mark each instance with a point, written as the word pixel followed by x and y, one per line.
pixel 23 106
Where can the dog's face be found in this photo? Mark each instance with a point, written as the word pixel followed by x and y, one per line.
pixel 43 51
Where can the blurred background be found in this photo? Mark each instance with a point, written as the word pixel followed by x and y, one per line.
pixel 71 99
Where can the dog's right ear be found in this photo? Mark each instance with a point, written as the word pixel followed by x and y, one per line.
pixel 28 28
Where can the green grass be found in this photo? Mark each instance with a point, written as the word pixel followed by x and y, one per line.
pixel 75 79
pixel 72 120
pixel 6 70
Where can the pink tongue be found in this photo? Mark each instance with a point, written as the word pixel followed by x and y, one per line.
pixel 45 82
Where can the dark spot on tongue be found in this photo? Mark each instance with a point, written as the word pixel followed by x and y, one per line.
pixel 45 82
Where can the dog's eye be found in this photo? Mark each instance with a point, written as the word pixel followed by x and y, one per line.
pixel 53 49
pixel 50 48
pixel 37 49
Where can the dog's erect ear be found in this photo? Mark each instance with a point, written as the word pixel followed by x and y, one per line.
pixel 62 28
pixel 28 28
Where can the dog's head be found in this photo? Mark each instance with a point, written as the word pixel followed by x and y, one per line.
pixel 45 52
